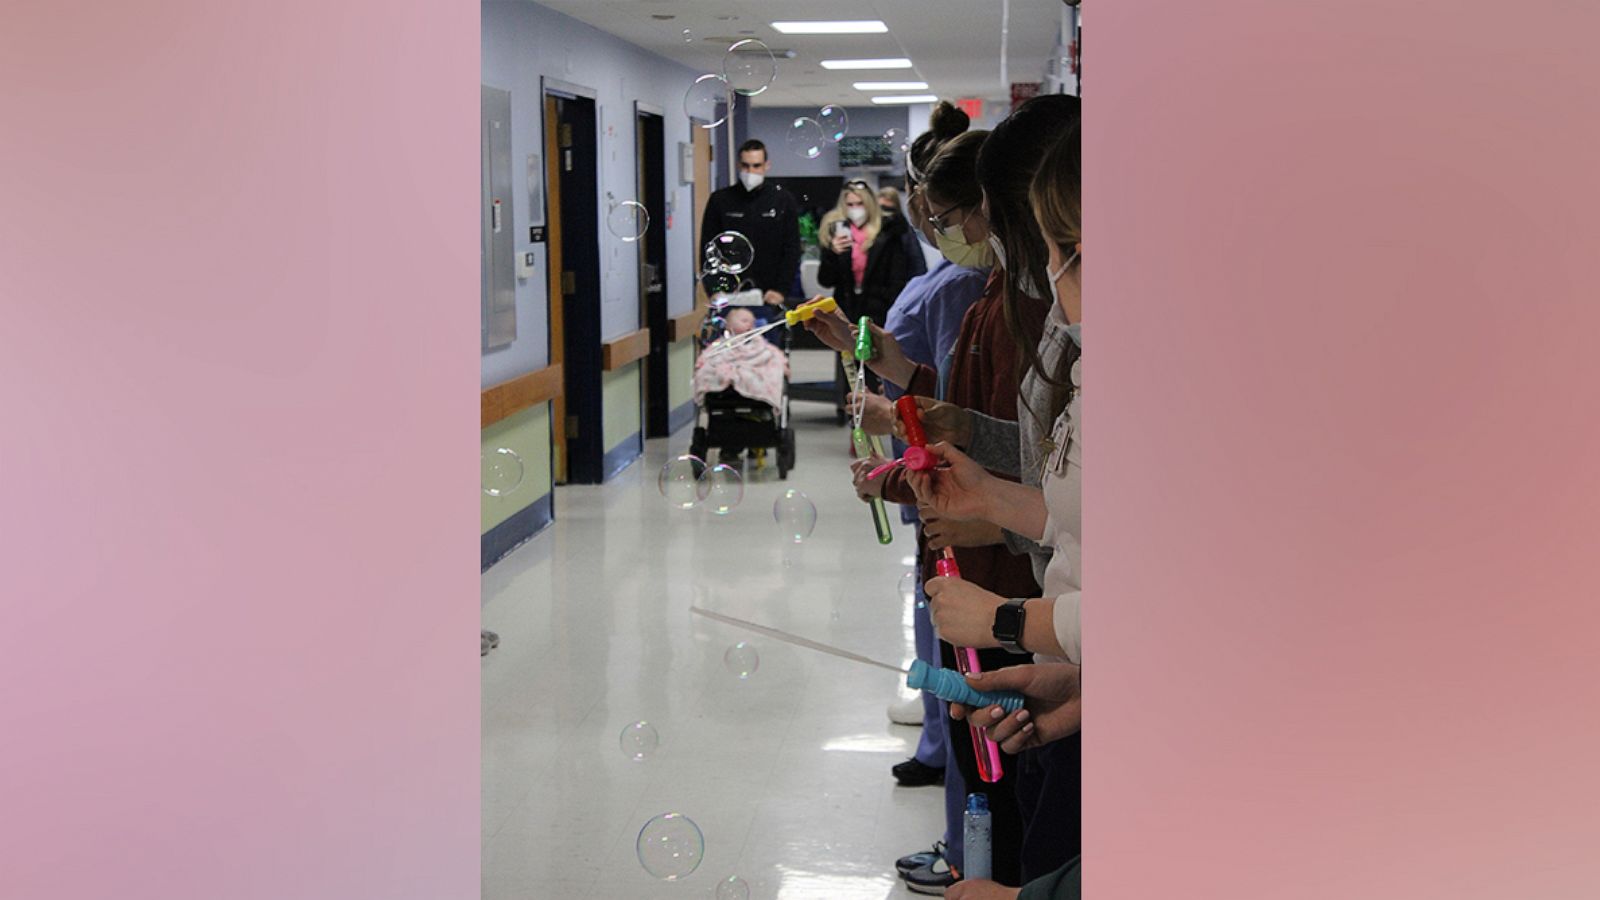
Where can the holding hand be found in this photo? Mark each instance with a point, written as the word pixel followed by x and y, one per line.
pixel 841 241
pixel 1054 707
pixel 866 488
pixel 877 413
pixel 833 329
pixel 941 421
pixel 963 613
pixel 958 490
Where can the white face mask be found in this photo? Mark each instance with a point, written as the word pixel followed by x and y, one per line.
pixel 751 180
pixel 1055 293
pixel 999 250
pixel 857 214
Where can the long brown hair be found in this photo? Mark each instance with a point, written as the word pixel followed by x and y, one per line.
pixel 1006 167
pixel 1056 196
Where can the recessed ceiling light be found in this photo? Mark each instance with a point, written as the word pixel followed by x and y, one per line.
pixel 865 26
pixel 906 98
pixel 662 17
pixel 891 85
pixel 900 63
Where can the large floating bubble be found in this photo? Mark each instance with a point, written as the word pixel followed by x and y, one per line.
pixel 742 660
pixel 720 489
pixel 806 138
pixel 733 888
pixel 670 846
pixel 679 479
pixel 795 514
pixel 501 471
pixel 732 252
pixel 639 741
pixel 706 101
pixel 835 123
pixel 628 220
pixel 720 283
pixel 898 139
pixel 749 67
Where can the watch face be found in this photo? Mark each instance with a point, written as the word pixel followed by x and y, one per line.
pixel 1008 621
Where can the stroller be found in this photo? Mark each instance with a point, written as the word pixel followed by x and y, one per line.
pixel 732 422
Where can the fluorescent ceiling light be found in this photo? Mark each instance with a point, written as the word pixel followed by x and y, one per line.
pixel 890 85
pixel 901 63
pixel 906 98
pixel 865 26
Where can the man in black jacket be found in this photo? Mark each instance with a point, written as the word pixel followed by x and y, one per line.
pixel 767 215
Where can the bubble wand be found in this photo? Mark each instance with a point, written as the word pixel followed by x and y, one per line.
pixel 942 683
pixel 987 751
pixel 791 318
pixel 866 445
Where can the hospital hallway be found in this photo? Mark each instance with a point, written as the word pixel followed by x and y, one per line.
pixel 785 771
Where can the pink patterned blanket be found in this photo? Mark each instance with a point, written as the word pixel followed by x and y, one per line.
pixel 755 369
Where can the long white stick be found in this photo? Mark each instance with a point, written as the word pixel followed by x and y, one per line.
pixel 795 639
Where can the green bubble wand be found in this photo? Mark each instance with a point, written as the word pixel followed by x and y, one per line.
pixel 866 445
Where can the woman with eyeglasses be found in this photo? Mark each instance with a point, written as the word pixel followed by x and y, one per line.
pixel 866 268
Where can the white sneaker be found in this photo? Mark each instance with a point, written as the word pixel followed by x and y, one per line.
pixel 906 711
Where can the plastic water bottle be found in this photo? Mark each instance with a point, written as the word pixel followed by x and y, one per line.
pixel 975 826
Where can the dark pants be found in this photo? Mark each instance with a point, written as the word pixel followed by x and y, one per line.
pixel 1005 841
pixel 1049 792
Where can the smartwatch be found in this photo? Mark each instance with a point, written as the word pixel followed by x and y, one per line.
pixel 1008 619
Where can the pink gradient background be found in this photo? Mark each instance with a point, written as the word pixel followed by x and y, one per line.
pixel 1344 504
pixel 238 528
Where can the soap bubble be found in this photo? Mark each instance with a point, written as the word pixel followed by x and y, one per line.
pixel 835 123
pixel 795 512
pixel 749 67
pixel 639 740
pixel 703 99
pixel 720 283
pixel 628 220
pixel 720 488
pixel 501 471
pixel 731 251
pixel 670 846
pixel 688 36
pixel 742 660
pixel 806 138
pixel 898 139
pixel 678 479
pixel 734 888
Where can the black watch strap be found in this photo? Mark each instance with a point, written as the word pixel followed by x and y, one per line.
pixel 1008 620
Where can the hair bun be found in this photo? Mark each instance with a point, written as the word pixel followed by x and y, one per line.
pixel 947 120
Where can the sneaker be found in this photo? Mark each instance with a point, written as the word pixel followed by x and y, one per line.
pixel 907 864
pixel 487 640
pixel 906 711
pixel 915 773
pixel 934 878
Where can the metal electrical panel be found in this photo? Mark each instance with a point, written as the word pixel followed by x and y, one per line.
pixel 499 260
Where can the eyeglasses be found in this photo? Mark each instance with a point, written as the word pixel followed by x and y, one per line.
pixel 937 220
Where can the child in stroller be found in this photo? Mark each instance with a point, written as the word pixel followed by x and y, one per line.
pixel 742 395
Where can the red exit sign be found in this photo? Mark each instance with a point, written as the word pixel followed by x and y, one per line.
pixel 972 106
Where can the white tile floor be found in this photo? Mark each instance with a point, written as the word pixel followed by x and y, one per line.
pixel 786 773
